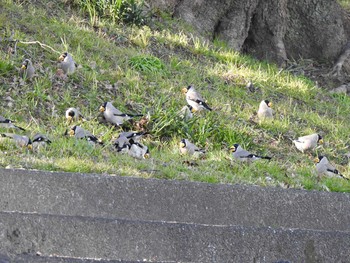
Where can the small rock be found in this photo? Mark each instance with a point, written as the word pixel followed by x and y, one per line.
pixel 8 98
pixel 341 89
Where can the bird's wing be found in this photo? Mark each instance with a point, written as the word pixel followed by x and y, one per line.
pixel 194 96
pixel 330 167
pixel 4 120
pixel 120 114
pixel 115 111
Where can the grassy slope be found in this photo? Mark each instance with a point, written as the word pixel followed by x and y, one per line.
pixel 105 55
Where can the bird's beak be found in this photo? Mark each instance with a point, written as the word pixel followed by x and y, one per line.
pixel 24 67
pixel 184 90
pixel 182 145
pixel 193 110
pixel 270 104
pixel 30 146
pixel 71 133
pixel 316 160
pixel 61 58
pixel 102 109
pixel 232 149
pixel 146 155
pixel 69 118
pixel 320 141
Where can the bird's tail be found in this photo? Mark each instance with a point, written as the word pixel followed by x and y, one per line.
pixel 205 105
pixel 338 173
pixel 265 157
pixel 142 133
pixel 20 128
pixel 344 177
pixel 135 115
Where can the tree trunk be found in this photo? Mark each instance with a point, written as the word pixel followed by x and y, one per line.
pixel 274 30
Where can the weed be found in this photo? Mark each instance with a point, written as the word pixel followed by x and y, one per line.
pixel 146 63
pixel 141 37
pixel 124 11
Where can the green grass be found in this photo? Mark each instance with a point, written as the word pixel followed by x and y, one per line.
pixel 143 70
pixel 345 4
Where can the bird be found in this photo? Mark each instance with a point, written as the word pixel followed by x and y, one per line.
pixel 194 99
pixel 138 150
pixel 73 114
pixel 324 167
pixel 186 147
pixel 240 154
pixel 7 123
pixel 115 116
pixel 308 142
pixel 27 70
pixel 265 111
pixel 186 112
pixel 20 140
pixel 67 63
pixel 122 144
pixel 136 136
pixel 40 140
pixel 80 133
pixel 250 86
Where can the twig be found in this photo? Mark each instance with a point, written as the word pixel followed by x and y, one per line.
pixel 33 119
pixel 44 46
pixel 15 48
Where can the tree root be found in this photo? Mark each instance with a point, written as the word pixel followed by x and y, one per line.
pixel 340 61
pixel 44 46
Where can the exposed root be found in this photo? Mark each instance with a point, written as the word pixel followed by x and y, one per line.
pixel 340 61
pixel 44 46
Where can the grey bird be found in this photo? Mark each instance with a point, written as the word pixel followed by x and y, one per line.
pixel 7 123
pixel 138 150
pixel 308 142
pixel 115 116
pixel 80 133
pixel 324 167
pixel 265 111
pixel 186 147
pixel 240 154
pixel 194 99
pixel 186 112
pixel 67 63
pixel 122 143
pixel 40 140
pixel 21 141
pixel 73 114
pixel 27 70
pixel 136 136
